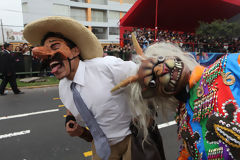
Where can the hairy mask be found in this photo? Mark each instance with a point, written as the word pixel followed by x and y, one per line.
pixel 171 75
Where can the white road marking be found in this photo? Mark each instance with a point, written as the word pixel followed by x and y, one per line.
pixel 28 114
pixel 14 134
pixel 166 124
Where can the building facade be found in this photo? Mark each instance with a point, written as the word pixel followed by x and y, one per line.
pixel 100 16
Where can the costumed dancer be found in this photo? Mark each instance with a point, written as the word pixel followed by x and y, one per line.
pixel 206 100
pixel 86 78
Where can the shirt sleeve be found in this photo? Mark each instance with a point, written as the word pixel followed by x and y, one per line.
pixel 122 69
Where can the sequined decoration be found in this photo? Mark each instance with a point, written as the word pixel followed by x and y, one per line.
pixel 200 91
pixel 228 79
pixel 204 106
pixel 191 139
pixel 215 154
pixel 181 119
pixel 206 92
pixel 214 71
pixel 225 131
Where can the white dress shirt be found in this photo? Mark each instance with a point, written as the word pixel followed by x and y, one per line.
pixel 95 78
pixel 7 51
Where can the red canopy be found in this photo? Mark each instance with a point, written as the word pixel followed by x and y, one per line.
pixel 179 15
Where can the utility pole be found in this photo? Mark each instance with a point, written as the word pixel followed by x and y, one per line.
pixel 2 31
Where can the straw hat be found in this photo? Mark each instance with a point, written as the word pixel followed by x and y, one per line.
pixel 85 40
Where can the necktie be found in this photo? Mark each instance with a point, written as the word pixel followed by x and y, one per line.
pixel 100 140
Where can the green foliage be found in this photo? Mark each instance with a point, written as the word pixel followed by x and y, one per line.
pixel 218 29
pixel 49 81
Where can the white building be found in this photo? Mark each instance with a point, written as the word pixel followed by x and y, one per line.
pixel 11 21
pixel 100 16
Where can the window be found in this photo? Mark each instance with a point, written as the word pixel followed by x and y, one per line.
pixel 78 13
pixel 115 0
pixel 25 7
pixel 100 32
pixel 83 1
pixel 129 1
pixel 98 1
pixel 125 1
pixel 99 15
pixel 114 15
pixel 61 10
pixel 113 31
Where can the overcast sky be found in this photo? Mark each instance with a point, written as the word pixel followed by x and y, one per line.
pixel 11 12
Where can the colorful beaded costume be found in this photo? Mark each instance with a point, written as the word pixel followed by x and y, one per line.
pixel 209 123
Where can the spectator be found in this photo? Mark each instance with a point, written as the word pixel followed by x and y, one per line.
pixel 27 57
pixel 25 49
pixel 17 49
pixel 8 70
pixel 125 37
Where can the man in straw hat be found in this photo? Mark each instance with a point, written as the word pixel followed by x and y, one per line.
pixel 86 78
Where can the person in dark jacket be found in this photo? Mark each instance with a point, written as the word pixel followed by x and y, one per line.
pixel 8 70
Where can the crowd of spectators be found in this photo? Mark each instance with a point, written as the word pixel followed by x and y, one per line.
pixel 187 41
pixel 124 52
pixel 21 48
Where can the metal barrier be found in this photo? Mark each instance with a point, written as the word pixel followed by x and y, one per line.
pixel 24 64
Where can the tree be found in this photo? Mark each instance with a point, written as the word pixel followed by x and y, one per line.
pixel 218 29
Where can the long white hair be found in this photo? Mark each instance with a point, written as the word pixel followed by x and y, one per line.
pixel 139 105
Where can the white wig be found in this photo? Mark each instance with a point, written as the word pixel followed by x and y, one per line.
pixel 139 105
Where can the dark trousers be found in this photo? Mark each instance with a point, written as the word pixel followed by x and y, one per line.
pixel 9 79
pixel 152 149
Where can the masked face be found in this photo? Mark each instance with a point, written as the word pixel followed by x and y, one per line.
pixel 51 47
pixel 172 75
pixel 56 52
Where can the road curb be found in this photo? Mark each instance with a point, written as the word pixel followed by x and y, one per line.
pixel 32 87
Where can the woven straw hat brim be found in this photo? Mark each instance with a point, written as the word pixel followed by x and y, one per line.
pixel 86 41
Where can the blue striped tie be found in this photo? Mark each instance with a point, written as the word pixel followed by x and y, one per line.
pixel 100 140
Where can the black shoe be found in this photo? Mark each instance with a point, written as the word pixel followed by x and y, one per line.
pixel 3 94
pixel 20 92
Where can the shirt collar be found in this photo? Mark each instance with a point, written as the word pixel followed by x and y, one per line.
pixel 7 51
pixel 79 75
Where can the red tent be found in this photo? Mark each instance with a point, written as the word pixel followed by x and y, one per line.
pixel 178 15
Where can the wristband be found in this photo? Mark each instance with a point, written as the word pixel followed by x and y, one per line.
pixel 86 135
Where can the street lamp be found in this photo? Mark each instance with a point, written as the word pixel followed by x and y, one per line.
pixel 2 31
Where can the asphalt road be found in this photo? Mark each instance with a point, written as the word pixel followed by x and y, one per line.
pixel 32 128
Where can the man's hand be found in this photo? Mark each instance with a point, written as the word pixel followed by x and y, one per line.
pixel 74 129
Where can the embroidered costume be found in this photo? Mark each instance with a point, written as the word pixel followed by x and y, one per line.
pixel 206 100
pixel 209 123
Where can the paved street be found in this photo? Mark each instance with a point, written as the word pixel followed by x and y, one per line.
pixel 32 128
